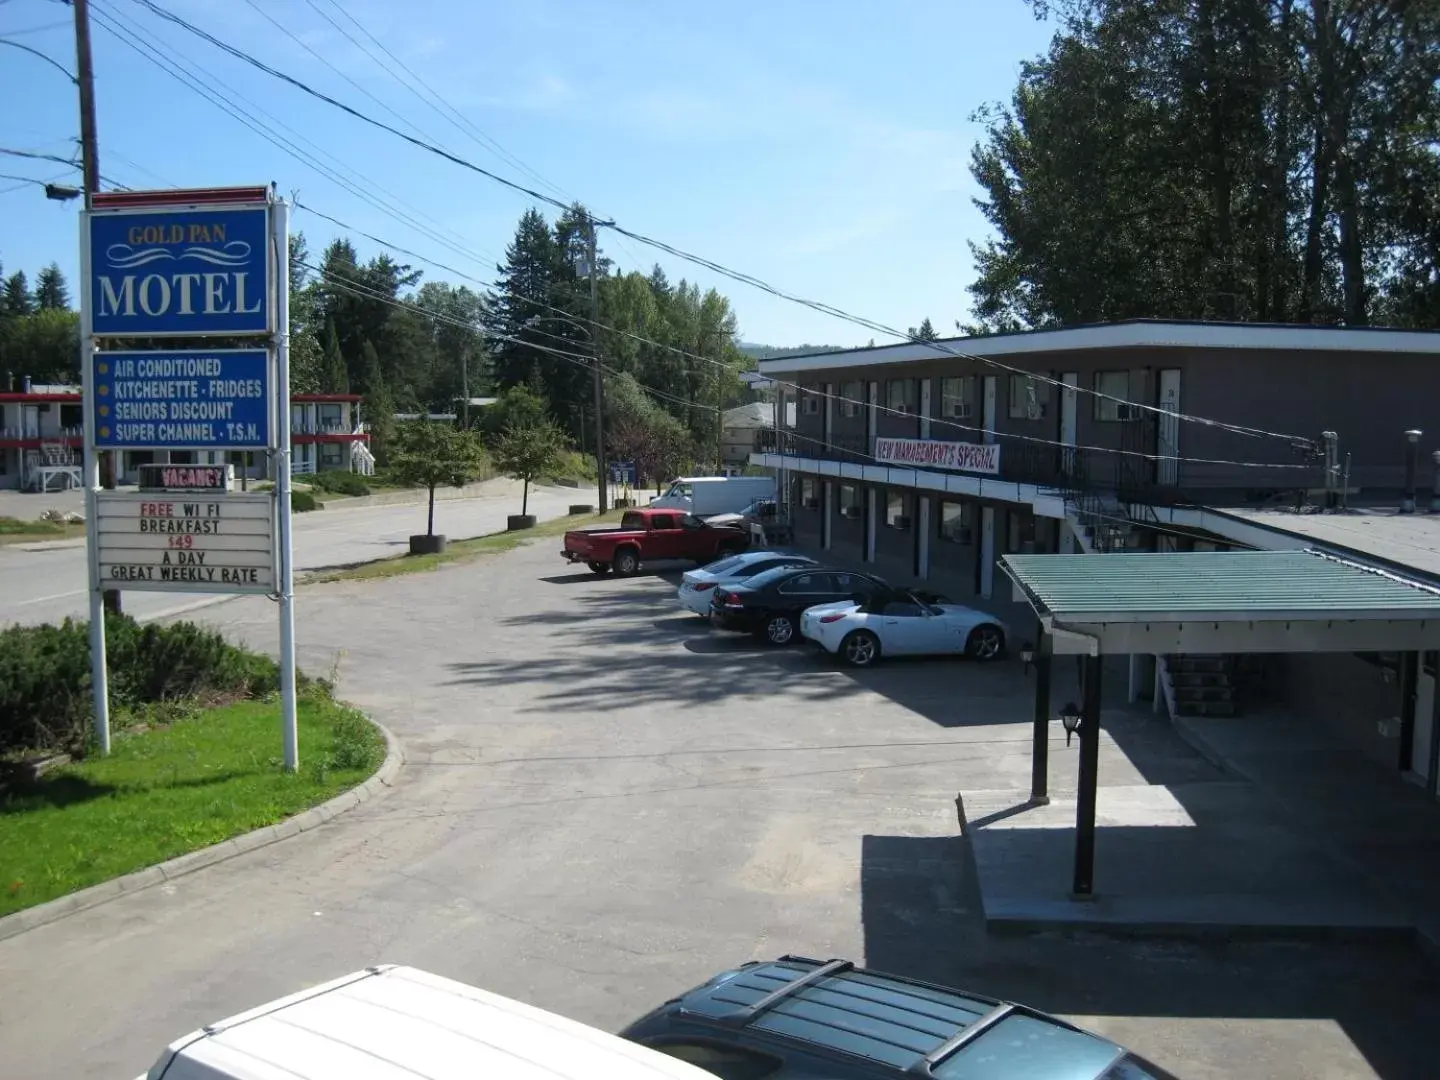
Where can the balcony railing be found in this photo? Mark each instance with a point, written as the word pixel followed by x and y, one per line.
pixel 1022 461
pixel 321 427
pixel 30 432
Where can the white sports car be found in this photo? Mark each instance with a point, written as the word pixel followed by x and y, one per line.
pixel 903 624
pixel 697 586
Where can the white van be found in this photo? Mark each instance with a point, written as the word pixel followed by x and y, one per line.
pixel 706 496
pixel 397 1023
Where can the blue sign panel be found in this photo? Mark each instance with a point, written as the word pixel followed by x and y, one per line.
pixel 170 272
pixel 190 400
pixel 623 472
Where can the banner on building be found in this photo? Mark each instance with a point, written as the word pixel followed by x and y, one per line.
pixel 933 454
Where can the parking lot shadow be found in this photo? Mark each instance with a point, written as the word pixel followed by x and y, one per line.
pixel 921 918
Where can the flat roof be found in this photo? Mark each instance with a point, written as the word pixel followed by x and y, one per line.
pixel 1215 586
pixel 1130 334
pixel 1402 540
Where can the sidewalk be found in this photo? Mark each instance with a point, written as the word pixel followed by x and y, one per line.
pixel 1382 826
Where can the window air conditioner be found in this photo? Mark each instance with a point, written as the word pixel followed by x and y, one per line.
pixel 965 536
pixel 960 412
pixel 850 512
pixel 902 522
pixel 812 504
pixel 1127 412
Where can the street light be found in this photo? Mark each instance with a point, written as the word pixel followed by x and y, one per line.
pixel 1070 717
pixel 62 192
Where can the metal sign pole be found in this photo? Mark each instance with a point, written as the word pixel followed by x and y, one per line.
pixel 280 225
pixel 99 673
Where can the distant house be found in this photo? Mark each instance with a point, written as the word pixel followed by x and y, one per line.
pixel 739 432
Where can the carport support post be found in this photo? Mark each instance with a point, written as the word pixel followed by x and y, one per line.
pixel 1040 753
pixel 1432 775
pixel 1084 885
pixel 1409 701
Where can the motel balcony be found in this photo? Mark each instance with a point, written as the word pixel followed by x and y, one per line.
pixel 1021 461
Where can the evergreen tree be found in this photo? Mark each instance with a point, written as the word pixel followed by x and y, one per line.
pixel 334 374
pixel 924 332
pixel 17 295
pixel 379 403
pixel 51 293
pixel 521 300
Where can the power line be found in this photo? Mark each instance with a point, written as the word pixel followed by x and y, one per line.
pixel 710 264
pixel 39 157
pixel 934 421
pixel 459 118
pixel 178 70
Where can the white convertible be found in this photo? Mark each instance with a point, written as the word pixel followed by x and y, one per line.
pixel 903 624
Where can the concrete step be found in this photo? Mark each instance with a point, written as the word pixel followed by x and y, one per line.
pixel 1206 708
pixel 1200 678
pixel 1204 693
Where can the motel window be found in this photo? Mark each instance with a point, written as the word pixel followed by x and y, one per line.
pixel 330 417
pixel 852 397
pixel 809 401
pixel 900 395
pixel 1029 398
pixel 897 510
pixel 71 416
pixel 957 397
pixel 1112 385
pixel 4 462
pixel 330 454
pixel 809 494
pixel 849 501
pixel 957 522
pixel 182 457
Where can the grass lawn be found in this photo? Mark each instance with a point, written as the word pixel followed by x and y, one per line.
pixel 173 789
pixel 15 531
pixel 464 550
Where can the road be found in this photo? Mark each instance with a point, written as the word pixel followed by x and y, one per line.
pixel 605 803
pixel 46 582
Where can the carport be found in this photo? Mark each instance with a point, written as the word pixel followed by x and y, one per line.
pixel 1093 606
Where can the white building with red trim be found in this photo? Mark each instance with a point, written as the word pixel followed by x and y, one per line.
pixel 42 440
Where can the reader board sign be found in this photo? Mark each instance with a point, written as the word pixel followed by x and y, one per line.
pixel 966 457
pixel 191 271
pixel 187 400
pixel 186 542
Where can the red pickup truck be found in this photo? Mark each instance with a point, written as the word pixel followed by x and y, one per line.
pixel 647 535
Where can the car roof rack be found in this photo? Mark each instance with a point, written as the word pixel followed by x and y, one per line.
pixel 965 1035
pixel 742 1016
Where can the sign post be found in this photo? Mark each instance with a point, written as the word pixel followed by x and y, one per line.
pixel 191 266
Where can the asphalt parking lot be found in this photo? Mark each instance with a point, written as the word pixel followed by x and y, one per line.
pixel 606 802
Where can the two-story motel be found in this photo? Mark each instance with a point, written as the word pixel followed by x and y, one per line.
pixel 929 466
pixel 42 440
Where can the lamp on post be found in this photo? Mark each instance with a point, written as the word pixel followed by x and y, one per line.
pixel 1027 655
pixel 1070 718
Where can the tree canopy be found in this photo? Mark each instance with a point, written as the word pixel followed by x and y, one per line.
pixel 1270 160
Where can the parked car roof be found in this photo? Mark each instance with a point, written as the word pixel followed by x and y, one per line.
pixel 769 577
pixel 928 1032
pixel 397 1022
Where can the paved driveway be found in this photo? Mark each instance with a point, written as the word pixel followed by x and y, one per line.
pixel 606 803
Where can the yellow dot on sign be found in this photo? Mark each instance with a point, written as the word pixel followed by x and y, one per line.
pixel 104 391
pixel 104 369
pixel 104 410
pixel 104 432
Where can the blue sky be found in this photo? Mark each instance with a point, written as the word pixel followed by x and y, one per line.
pixel 821 145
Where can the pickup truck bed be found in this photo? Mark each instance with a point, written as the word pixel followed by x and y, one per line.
pixel 650 535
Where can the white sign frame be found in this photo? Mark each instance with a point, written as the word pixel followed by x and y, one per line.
pixel 108 501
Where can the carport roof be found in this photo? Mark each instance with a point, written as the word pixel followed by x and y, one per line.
pixel 1218 586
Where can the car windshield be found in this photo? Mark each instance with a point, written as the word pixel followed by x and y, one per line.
pixel 769 577
pixel 678 491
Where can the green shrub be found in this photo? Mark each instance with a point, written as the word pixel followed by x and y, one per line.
pixel 302 502
pixel 339 482
pixel 45 697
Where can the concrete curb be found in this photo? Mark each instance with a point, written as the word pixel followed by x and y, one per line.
pixel 49 912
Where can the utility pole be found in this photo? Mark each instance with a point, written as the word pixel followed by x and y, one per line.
pixel 595 353
pixel 90 165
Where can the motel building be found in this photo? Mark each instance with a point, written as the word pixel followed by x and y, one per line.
pixel 42 440
pixel 1092 524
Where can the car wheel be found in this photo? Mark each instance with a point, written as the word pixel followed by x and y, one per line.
pixel 985 643
pixel 780 629
pixel 627 562
pixel 598 568
pixel 860 649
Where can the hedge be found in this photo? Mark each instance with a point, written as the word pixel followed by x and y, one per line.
pixel 45 689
